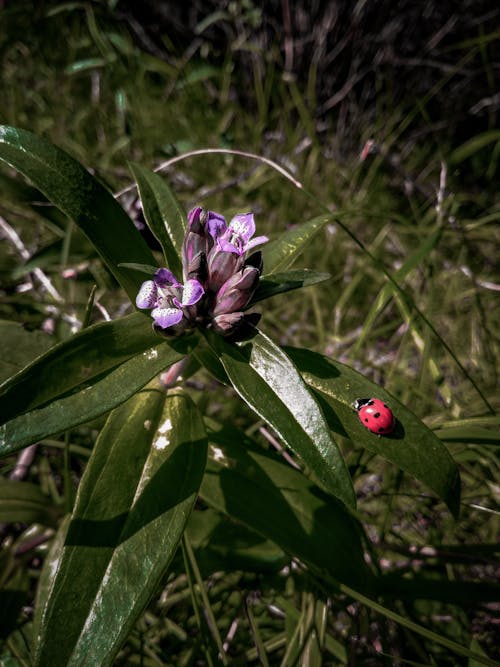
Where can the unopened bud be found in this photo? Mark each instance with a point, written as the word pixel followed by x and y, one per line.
pixel 236 326
pixel 255 259
pixel 197 268
pixel 237 291
pixel 221 266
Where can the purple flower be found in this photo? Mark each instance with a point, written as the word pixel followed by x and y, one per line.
pixel 219 280
pixel 237 238
pixel 169 301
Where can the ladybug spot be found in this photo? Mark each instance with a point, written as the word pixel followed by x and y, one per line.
pixel 381 429
pixel 377 415
pixel 370 403
pixel 366 420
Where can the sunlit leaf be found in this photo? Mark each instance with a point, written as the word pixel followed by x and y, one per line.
pixel 70 187
pixel 285 282
pixel 163 214
pixel 76 361
pixel 100 395
pixel 282 252
pixel 269 383
pixel 132 506
pixel 413 447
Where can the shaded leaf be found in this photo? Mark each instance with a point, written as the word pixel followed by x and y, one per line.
pixel 223 545
pixel 413 447
pixel 269 383
pixel 25 502
pixel 18 347
pixel 282 252
pixel 474 145
pixel 69 186
pixel 285 282
pixel 163 214
pixel 278 502
pixel 132 506
pixel 100 395
pixel 464 593
pixel 75 361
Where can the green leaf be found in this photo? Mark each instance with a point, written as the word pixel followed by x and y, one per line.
pixel 284 282
pixel 223 545
pixel 25 502
pixel 474 145
pixel 132 506
pixel 412 446
pixel 18 347
pixel 469 434
pixel 143 268
pixel 282 252
pixel 70 187
pixel 464 593
pixel 387 291
pixel 281 504
pixel 100 395
pixel 163 214
pixel 50 565
pixel 76 361
pixel 269 383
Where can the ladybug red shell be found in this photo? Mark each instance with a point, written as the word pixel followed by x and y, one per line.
pixel 375 415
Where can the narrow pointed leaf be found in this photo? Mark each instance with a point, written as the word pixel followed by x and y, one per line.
pixel 285 282
pixel 269 383
pixel 132 507
pixel 281 504
pixel 469 434
pixel 413 447
pixel 19 347
pixel 279 254
pixel 100 395
pixel 25 502
pixel 163 214
pixel 76 361
pixel 70 187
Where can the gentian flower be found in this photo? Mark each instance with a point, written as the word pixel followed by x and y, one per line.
pixel 219 281
pixel 170 301
pixel 237 238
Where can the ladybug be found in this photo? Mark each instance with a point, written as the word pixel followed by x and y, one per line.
pixel 375 415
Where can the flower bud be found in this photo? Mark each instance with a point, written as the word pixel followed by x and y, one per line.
pixel 197 268
pixel 236 326
pixel 236 292
pixel 255 259
pixel 221 266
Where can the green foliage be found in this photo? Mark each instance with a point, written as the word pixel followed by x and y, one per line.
pixel 260 556
pixel 131 509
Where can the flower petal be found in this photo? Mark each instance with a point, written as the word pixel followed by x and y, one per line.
pixel 194 215
pixel 193 291
pixel 164 278
pixel 256 241
pixel 227 246
pixel 216 224
pixel 147 296
pixel 243 225
pixel 166 317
